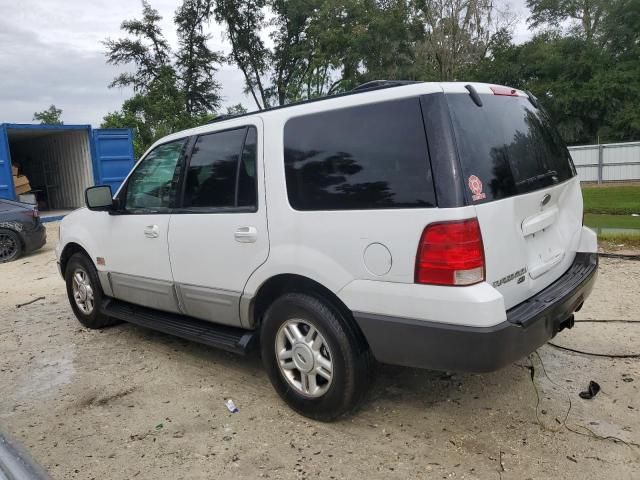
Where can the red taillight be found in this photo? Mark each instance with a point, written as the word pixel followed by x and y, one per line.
pixel 451 253
pixel 33 212
pixel 506 91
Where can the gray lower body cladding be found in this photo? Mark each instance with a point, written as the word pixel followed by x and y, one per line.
pixel 438 346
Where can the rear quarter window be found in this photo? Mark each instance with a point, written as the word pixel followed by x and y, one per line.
pixel 364 157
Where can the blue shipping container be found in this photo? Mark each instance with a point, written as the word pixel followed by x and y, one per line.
pixel 61 161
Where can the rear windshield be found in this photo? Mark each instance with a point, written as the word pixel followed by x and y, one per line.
pixel 507 147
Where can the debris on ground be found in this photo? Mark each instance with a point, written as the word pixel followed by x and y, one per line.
pixel 231 406
pixel 20 305
pixel 591 391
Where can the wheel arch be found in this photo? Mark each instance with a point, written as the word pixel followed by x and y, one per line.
pixel 282 283
pixel 68 251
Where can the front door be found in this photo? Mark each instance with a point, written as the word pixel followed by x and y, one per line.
pixel 134 240
pixel 219 235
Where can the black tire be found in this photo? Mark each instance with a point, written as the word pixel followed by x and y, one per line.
pixel 353 366
pixel 79 262
pixel 10 245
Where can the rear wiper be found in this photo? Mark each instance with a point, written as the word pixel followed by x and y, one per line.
pixel 551 173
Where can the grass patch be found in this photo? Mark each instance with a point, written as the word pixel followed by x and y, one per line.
pixel 611 221
pixel 613 200
pixel 619 241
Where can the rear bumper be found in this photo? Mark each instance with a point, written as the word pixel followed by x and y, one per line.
pixel 34 239
pixel 438 346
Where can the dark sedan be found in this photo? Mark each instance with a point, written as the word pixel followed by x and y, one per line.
pixel 21 230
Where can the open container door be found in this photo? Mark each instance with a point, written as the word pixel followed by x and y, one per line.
pixel 6 179
pixel 113 156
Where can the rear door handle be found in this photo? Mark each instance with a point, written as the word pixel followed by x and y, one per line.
pixel 246 234
pixel 151 231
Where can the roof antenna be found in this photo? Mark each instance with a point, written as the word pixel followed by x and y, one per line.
pixel 473 93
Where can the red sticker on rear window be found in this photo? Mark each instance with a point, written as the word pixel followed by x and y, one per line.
pixel 475 185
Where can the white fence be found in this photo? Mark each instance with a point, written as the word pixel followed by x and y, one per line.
pixel 607 163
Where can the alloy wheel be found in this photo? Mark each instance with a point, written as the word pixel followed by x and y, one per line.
pixel 83 291
pixel 304 357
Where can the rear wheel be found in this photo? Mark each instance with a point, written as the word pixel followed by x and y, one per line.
pixel 314 357
pixel 10 246
pixel 85 293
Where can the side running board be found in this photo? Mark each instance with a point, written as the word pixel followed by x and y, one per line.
pixel 231 339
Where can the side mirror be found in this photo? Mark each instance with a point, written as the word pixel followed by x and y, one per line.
pixel 99 199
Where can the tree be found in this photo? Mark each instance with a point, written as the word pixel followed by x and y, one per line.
pixel 50 116
pixel 148 50
pixel 155 114
pixel 172 91
pixel 244 20
pixel 195 61
pixel 457 33
pixel 318 47
pixel 237 109
pixel 588 13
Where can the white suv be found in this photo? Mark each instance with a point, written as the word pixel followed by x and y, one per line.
pixel 434 225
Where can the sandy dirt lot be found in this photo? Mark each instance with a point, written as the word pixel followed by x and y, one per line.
pixel 130 403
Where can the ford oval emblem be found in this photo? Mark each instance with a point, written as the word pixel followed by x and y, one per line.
pixel 545 200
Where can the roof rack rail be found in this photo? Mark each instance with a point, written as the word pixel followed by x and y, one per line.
pixel 383 84
pixel 365 87
pixel 224 116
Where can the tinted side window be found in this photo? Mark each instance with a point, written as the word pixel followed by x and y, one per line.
pixel 213 169
pixel 371 156
pixel 153 183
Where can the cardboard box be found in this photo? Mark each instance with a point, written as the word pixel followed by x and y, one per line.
pixel 14 171
pixel 20 180
pixel 23 189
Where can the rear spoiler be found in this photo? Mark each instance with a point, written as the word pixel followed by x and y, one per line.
pixel 473 93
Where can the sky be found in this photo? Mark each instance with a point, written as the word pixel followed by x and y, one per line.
pixel 51 52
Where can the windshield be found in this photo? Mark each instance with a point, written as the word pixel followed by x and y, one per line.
pixel 507 147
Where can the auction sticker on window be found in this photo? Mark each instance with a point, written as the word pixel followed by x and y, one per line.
pixel 475 185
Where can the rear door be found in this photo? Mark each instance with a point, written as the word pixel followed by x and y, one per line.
pixel 113 156
pixel 133 241
pixel 519 175
pixel 219 236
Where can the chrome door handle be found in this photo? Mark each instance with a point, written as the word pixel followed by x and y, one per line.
pixel 246 234
pixel 151 231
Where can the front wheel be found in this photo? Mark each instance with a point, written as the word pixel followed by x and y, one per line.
pixel 85 293
pixel 314 357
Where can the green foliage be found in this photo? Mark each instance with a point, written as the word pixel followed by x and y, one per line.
pixel 195 61
pixel 589 86
pixel 148 50
pixel 614 199
pixel 553 13
pixel 595 220
pixel 582 63
pixel 50 116
pixel 237 109
pixel 169 95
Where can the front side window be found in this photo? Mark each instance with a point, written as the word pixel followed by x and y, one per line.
pixel 364 157
pixel 222 170
pixel 153 183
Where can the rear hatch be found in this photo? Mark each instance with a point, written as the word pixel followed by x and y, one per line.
pixel 519 176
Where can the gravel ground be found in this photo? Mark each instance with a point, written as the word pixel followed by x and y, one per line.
pixel 130 403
